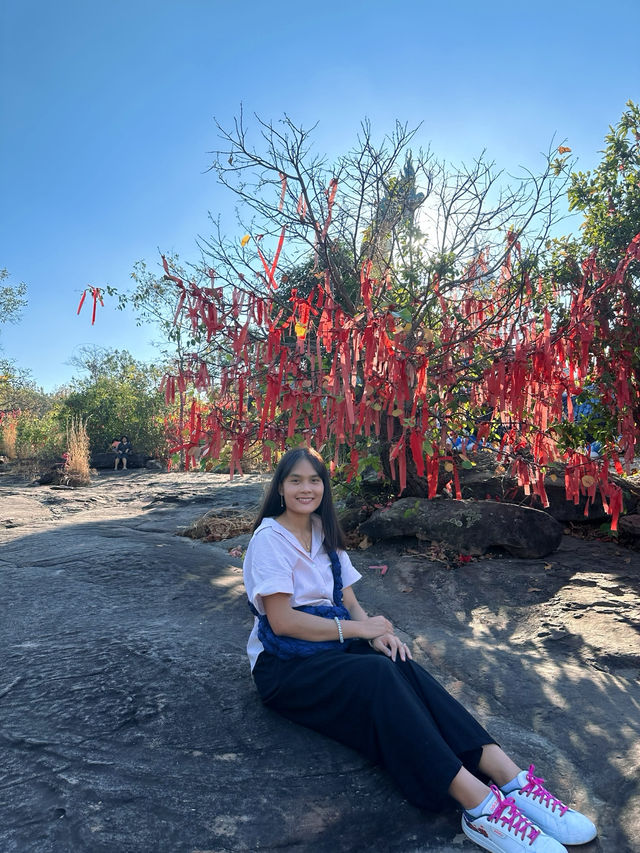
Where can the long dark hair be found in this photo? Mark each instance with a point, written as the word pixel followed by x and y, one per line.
pixel 272 506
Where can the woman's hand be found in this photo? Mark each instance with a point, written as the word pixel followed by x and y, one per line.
pixel 391 646
pixel 370 627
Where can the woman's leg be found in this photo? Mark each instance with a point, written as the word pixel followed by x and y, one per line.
pixel 363 701
pixel 400 717
pixel 467 789
pixel 492 761
pixel 457 726
pixel 497 765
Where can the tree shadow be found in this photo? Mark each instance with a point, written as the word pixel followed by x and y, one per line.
pixel 545 653
pixel 130 721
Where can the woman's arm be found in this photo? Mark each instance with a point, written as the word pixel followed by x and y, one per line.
pixel 387 643
pixel 286 621
pixel 356 611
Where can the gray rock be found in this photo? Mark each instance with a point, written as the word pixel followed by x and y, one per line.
pixel 108 460
pixel 130 723
pixel 630 524
pixel 155 465
pixel 471 527
pixel 487 481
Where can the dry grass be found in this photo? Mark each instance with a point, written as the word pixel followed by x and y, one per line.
pixel 9 432
pixel 77 467
pixel 219 524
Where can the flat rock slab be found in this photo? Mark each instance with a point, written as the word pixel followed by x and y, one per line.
pixel 108 460
pixel 130 724
pixel 21 510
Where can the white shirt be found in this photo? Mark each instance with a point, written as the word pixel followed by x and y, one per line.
pixel 276 562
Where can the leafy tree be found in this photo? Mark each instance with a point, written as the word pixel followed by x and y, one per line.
pixel 386 304
pixel 392 262
pixel 28 414
pixel 119 396
pixel 14 384
pixel 609 198
pixel 609 195
pixel 12 299
pixel 17 389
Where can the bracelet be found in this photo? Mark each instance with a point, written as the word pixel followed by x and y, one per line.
pixel 340 634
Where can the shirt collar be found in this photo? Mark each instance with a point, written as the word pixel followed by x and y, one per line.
pixel 316 533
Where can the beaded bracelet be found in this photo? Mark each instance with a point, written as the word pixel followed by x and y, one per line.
pixel 340 635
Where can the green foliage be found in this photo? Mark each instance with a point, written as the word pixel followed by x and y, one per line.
pixel 36 430
pixel 609 196
pixel 40 435
pixel 16 386
pixel 155 298
pixel 304 275
pixel 12 299
pixel 598 425
pixel 119 397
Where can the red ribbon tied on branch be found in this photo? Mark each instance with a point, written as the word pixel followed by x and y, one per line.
pixel 96 295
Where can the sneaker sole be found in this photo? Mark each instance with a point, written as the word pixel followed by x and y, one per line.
pixel 481 841
pixel 571 843
pixel 552 830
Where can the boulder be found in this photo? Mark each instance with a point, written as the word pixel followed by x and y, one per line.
pixel 476 484
pixel 57 476
pixel 53 476
pixel 630 525
pixel 471 527
pixel 108 460
pixel 487 480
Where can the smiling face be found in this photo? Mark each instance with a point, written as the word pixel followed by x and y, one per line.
pixel 302 489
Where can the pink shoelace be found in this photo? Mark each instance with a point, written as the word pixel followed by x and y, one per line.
pixel 536 790
pixel 512 819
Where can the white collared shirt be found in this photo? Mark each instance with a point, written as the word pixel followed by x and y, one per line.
pixel 276 562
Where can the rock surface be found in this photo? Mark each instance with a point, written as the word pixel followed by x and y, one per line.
pixel 488 480
pixel 630 524
pixel 108 460
pixel 470 527
pixel 129 722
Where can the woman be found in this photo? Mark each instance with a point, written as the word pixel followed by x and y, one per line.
pixel 320 660
pixel 123 450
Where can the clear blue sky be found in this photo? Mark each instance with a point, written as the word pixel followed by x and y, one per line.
pixel 107 111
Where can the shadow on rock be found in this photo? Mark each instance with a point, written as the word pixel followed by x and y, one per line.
pixel 130 722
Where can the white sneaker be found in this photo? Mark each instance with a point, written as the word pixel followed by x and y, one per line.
pixel 504 829
pixel 549 813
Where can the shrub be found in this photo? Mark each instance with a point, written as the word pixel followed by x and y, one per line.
pixel 41 437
